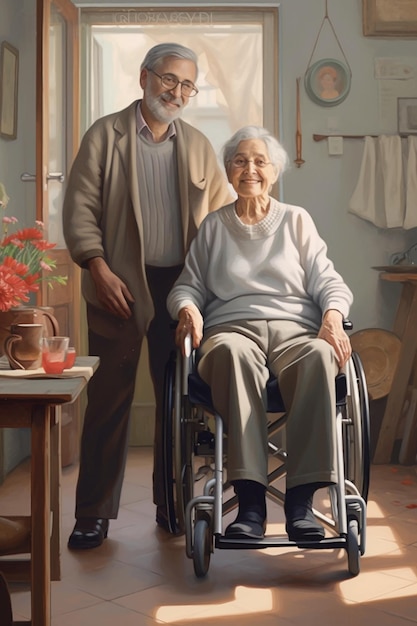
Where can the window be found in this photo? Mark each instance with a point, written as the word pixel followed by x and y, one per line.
pixel 237 53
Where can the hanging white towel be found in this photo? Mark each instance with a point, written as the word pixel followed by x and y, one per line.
pixel 379 193
pixel 363 201
pixel 389 158
pixel 410 220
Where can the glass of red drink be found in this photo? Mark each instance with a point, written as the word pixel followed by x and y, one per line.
pixel 54 354
pixel 71 356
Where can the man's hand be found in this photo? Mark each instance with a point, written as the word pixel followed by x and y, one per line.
pixel 112 292
pixel 190 322
pixel 332 331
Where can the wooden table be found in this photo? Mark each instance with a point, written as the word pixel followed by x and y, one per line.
pixel 31 403
pixel 405 377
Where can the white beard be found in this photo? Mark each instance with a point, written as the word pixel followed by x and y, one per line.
pixel 161 113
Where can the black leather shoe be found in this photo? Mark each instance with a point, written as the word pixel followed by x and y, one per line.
pixel 162 518
pixel 89 532
pixel 304 530
pixel 247 525
pixel 301 524
pixel 250 522
pixel 5 603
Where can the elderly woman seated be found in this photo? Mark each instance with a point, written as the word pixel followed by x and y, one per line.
pixel 259 294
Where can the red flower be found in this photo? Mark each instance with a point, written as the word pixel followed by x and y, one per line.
pixel 24 261
pixel 13 288
pixel 43 245
pixel 25 234
pixel 32 281
pixel 13 241
pixel 14 266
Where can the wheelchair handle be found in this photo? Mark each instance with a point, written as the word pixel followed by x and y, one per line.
pixel 188 345
pixel 347 325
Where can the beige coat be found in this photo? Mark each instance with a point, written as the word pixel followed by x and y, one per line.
pixel 102 214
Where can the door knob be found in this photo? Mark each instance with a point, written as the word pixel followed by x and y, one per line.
pixel 59 176
pixel 27 178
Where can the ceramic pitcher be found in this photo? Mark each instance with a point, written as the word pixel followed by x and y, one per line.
pixel 23 346
pixel 28 315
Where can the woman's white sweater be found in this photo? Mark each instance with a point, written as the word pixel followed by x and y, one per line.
pixel 275 269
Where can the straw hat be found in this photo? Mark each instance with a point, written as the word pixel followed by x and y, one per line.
pixel 379 351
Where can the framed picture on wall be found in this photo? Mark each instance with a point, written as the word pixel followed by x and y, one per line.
pixel 394 18
pixel 327 82
pixel 407 116
pixel 9 73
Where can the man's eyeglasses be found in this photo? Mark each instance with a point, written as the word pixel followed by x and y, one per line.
pixel 170 82
pixel 241 162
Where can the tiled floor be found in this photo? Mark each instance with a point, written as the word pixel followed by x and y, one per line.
pixel 142 577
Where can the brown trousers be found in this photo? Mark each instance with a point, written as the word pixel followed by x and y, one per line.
pixel 234 361
pixel 110 391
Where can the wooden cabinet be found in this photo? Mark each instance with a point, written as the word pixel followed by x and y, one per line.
pixel 404 384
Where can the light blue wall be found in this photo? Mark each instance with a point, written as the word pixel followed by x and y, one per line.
pixel 325 183
pixel 17 27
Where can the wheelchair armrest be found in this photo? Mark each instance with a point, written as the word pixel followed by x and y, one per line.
pixel 347 324
pixel 275 401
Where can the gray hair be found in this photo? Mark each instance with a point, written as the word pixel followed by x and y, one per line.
pixel 162 50
pixel 277 154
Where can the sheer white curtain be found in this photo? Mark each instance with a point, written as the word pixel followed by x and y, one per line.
pixel 235 70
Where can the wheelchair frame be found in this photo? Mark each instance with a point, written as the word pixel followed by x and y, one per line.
pixel 187 410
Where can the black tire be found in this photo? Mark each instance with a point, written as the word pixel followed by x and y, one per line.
pixel 202 547
pixel 168 444
pixel 178 449
pixel 366 437
pixel 352 547
pixel 356 437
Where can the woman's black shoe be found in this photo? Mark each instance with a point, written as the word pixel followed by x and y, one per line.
pixel 251 519
pixel 301 525
pixel 249 525
pixel 89 532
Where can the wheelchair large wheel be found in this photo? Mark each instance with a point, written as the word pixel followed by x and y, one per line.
pixel 168 450
pixel 177 448
pixel 356 430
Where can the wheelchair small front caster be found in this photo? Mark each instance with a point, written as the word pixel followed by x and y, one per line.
pixel 352 547
pixel 202 547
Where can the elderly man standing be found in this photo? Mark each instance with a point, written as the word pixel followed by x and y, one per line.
pixel 140 186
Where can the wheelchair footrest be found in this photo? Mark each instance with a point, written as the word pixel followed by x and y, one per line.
pixel 328 543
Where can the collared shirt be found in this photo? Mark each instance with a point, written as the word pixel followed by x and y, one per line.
pixel 143 128
pixel 159 195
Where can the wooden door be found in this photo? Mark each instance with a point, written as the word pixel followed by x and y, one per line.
pixel 57 138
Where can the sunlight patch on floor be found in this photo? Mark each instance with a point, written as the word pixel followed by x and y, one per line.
pixel 247 600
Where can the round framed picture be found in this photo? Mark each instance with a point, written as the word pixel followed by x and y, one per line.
pixel 327 82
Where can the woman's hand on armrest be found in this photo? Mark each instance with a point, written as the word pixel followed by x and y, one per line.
pixel 332 331
pixel 190 322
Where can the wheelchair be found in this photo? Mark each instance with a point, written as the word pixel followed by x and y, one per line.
pixel 195 465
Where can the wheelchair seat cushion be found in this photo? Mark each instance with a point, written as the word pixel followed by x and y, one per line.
pixel 199 392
